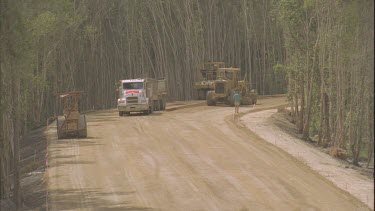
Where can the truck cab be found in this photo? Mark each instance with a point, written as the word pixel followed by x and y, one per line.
pixel 132 97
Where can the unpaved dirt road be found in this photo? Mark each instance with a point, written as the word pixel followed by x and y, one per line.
pixel 195 158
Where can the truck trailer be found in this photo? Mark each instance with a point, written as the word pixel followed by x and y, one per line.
pixel 141 95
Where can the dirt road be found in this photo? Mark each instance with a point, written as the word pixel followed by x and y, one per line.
pixel 190 159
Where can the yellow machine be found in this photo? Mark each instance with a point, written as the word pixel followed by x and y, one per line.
pixel 207 76
pixel 72 123
pixel 225 86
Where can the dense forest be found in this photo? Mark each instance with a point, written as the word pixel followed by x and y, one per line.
pixel 319 52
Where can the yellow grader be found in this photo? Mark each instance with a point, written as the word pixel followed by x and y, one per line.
pixel 207 74
pixel 226 85
pixel 72 123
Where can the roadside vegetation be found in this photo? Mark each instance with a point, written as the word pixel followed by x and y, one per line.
pixel 330 71
pixel 319 52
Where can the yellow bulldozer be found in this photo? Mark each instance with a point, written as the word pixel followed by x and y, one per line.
pixel 207 76
pixel 225 86
pixel 72 123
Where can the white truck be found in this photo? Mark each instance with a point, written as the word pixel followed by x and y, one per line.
pixel 141 95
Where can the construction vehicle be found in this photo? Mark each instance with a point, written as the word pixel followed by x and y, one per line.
pixel 72 123
pixel 207 75
pixel 141 95
pixel 226 85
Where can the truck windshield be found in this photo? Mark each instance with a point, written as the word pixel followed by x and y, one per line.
pixel 132 85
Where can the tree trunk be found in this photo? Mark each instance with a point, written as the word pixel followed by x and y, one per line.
pixel 16 136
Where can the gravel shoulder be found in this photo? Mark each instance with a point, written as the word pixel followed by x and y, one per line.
pixel 265 125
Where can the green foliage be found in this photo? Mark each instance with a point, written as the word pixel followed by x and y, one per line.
pixel 280 76
pixel 279 68
pixel 290 13
pixel 44 24
pixel 308 4
pixel 90 31
pixel 315 111
pixel 335 36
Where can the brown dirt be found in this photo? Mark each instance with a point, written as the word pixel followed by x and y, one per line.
pixel 356 181
pixel 197 158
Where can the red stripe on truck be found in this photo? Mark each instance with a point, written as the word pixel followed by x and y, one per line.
pixel 132 91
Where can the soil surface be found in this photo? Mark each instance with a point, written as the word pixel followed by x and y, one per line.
pixel 196 158
pixel 357 182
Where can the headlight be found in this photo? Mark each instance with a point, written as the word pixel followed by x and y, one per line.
pixel 122 100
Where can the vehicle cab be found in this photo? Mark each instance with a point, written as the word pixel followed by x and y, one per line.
pixel 132 96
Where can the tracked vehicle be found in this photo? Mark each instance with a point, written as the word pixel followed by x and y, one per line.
pixel 207 76
pixel 226 85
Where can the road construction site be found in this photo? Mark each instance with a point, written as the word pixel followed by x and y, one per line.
pixel 189 157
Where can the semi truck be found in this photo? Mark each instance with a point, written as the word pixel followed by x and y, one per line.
pixel 141 95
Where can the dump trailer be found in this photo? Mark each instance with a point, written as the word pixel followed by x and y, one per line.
pixel 226 85
pixel 141 95
pixel 207 75
pixel 72 123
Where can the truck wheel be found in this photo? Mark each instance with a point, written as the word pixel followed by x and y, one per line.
pixel 60 121
pixel 201 94
pixel 164 104
pixel 205 94
pixel 60 135
pixel 82 125
pixel 120 113
pixel 158 105
pixel 161 105
pixel 210 100
pixel 83 134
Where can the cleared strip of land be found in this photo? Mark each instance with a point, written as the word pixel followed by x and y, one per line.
pixel 190 159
